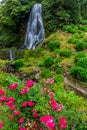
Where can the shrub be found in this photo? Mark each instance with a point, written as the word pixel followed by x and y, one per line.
pixel 25 106
pixel 46 73
pixel 80 46
pixel 83 28
pixel 82 35
pixel 57 69
pixel 18 63
pixel 59 78
pixel 76 35
pixel 82 62
pixel 70 29
pixel 65 53
pixel 72 40
pixel 84 22
pixel 79 55
pixel 53 45
pixel 79 73
pixel 48 61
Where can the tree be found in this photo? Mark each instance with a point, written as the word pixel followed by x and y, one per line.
pixel 84 9
pixel 73 7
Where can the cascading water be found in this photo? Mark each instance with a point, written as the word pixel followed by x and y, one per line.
pixel 35 29
pixel 11 57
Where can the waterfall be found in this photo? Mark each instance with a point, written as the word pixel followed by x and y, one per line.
pixel 11 55
pixel 35 30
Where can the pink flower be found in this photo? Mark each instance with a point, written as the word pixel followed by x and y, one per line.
pixel 13 86
pixel 1 125
pixel 24 104
pixel 30 83
pixel 11 117
pixel 24 91
pixel 17 113
pixel 62 123
pixel 2 92
pixel 50 81
pixel 48 120
pixel 3 98
pixel 51 94
pixel 11 99
pixel 57 107
pixel 21 120
pixel 30 103
pixel 60 107
pixel 41 129
pixel 23 128
pixel 9 103
pixel 50 125
pixel 35 114
pixel 12 108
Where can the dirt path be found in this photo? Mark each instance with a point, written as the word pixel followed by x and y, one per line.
pixel 75 87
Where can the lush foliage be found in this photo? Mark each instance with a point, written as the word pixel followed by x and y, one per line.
pixel 79 55
pixel 46 73
pixel 82 62
pixel 18 63
pixel 79 73
pixel 72 40
pixel 47 61
pixel 14 16
pixel 70 29
pixel 80 46
pixel 65 53
pixel 53 45
pixel 32 106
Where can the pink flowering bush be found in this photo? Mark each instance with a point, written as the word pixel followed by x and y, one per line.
pixel 30 106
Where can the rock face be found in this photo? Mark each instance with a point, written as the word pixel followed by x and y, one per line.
pixel 35 29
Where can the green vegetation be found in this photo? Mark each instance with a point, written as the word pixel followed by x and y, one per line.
pixel 80 46
pixel 62 54
pixel 46 73
pixel 18 63
pixel 79 73
pixel 70 29
pixel 72 40
pixel 82 62
pixel 53 45
pixel 79 55
pixel 74 107
pixel 48 61
pixel 14 16
pixel 65 53
pixel 57 69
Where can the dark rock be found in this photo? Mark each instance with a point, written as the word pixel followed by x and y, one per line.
pixel 37 76
pixel 10 68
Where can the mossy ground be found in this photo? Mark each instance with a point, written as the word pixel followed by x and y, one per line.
pixel 33 65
